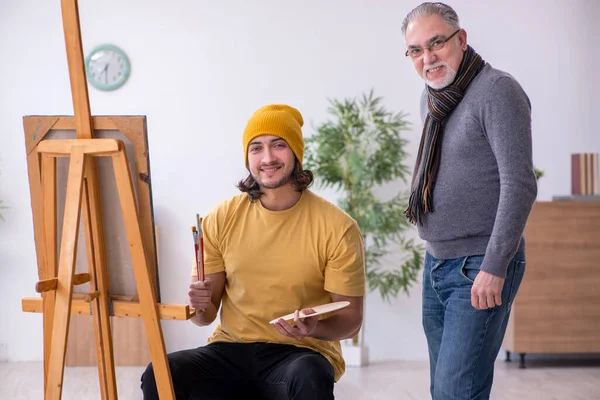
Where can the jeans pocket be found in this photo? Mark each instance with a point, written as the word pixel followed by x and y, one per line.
pixel 470 267
pixel 518 273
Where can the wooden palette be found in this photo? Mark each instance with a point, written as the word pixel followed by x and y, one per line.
pixel 322 309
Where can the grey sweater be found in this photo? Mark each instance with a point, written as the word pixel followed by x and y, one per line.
pixel 486 185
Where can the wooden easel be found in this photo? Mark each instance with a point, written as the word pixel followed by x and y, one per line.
pixel 83 195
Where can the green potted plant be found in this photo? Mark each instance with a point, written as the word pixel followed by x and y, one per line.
pixel 356 152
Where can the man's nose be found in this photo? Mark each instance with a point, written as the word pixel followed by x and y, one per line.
pixel 268 156
pixel 429 57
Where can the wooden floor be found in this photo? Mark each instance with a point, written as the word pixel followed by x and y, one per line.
pixel 543 380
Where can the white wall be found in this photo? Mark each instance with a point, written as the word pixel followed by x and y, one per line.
pixel 200 68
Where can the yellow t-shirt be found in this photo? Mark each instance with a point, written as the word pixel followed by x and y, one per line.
pixel 279 261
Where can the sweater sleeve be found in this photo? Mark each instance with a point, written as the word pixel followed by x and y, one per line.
pixel 507 123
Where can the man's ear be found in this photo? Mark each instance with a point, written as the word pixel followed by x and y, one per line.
pixel 462 37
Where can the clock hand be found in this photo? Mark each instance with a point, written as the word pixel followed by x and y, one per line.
pixel 105 71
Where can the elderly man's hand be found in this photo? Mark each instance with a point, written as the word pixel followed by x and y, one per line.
pixel 486 291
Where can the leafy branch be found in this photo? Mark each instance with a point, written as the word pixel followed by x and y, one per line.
pixel 355 152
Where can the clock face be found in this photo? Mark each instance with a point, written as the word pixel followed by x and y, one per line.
pixel 107 67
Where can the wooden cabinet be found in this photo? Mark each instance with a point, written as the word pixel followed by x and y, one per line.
pixel 557 308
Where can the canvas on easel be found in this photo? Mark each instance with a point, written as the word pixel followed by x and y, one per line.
pixel 133 132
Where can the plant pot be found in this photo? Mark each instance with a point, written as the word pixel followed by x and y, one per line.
pixel 355 355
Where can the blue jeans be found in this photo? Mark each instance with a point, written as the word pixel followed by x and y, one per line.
pixel 463 342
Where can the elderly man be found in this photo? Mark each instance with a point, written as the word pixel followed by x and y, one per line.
pixel 472 191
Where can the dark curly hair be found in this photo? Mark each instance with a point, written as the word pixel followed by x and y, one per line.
pixel 301 179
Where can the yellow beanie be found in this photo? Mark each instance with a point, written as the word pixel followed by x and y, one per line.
pixel 278 120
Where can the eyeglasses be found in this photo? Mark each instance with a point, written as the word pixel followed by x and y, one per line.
pixel 438 44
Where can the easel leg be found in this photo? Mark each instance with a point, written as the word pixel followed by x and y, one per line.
pixel 99 282
pixel 64 290
pixel 49 236
pixel 140 268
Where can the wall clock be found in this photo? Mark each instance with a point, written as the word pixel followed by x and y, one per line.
pixel 107 67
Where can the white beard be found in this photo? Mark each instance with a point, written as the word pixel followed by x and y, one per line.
pixel 446 80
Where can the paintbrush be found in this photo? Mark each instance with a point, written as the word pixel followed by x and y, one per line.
pixel 200 248
pixel 196 250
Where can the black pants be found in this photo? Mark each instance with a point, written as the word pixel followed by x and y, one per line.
pixel 232 371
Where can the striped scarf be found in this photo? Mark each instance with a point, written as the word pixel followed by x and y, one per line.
pixel 440 103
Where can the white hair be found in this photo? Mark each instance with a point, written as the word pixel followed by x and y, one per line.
pixel 428 9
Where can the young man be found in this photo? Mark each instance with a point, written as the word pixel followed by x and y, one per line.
pixel 273 249
pixel 472 192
